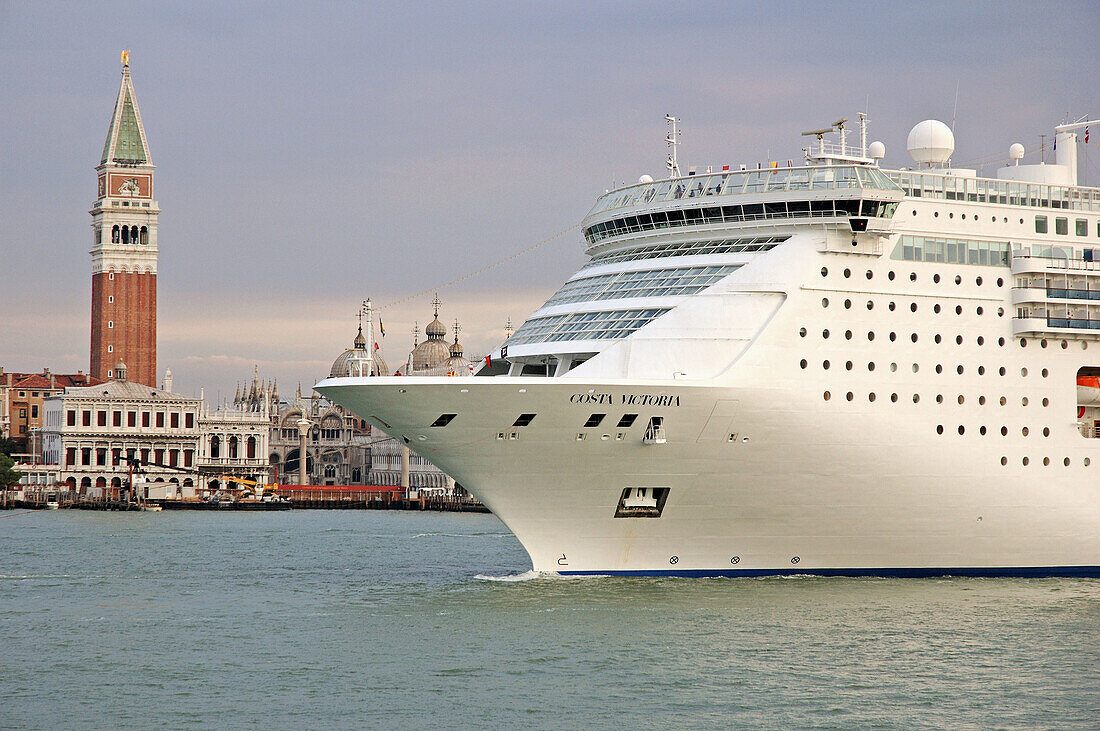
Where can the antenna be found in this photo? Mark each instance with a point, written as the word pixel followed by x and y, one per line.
pixel 863 133
pixel 673 141
pixel 955 111
pixel 839 124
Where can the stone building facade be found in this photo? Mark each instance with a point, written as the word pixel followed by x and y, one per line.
pixel 22 403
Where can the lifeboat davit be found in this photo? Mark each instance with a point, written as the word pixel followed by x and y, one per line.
pixel 1088 393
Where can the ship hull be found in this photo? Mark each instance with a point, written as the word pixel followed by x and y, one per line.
pixel 759 480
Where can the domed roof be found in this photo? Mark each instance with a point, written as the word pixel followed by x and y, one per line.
pixel 435 330
pixel 348 362
pixel 429 354
pixel 930 142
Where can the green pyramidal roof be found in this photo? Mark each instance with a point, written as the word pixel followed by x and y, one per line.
pixel 125 137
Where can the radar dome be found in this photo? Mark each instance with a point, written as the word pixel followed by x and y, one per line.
pixel 876 150
pixel 645 179
pixel 1016 151
pixel 930 143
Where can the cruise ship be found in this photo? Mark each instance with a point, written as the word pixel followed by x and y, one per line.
pixel 827 368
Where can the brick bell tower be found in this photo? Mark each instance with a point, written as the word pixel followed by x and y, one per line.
pixel 124 249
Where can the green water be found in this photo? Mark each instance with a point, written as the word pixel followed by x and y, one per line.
pixel 334 619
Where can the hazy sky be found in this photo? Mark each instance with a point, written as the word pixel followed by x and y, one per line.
pixel 312 155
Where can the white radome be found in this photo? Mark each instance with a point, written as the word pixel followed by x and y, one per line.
pixel 645 179
pixel 1015 151
pixel 930 143
pixel 876 150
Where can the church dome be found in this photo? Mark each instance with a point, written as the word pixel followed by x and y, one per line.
pixel 435 330
pixel 429 354
pixel 347 363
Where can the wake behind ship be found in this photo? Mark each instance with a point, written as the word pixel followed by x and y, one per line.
pixel 831 368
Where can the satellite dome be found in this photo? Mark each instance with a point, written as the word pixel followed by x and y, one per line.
pixel 1015 151
pixel 645 179
pixel 930 143
pixel 876 150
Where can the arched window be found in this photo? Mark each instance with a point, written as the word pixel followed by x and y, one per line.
pixel 114 234
pixel 144 235
pixel 232 447
pixel 215 446
pixel 125 234
pixel 213 484
pixel 250 448
pixel 71 482
pixel 101 482
pixel 86 482
pixel 188 482
pixel 133 234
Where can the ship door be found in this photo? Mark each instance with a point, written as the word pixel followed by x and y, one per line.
pixel 720 424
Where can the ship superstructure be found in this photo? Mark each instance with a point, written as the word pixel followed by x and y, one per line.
pixel 827 368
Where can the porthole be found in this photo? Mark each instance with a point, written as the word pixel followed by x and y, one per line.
pixel 981 401
pixel 847 273
pixel 871 366
pixel 1046 431
pixel 847 334
pixel 1025 431
pixel 891 307
pixel 1064 345
pixel 1084 345
pixel 870 305
pixel 870 335
pixel 958 340
pixel 939 368
pixel 1044 373
pixel 1000 282
pixel 849 395
pixel 1046 402
pixel 826 395
pixel 936 308
pixel 913 337
pixel 825 364
pixel 1003 401
pixel 804 363
pixel 962 399
pixel 912 276
pixel 916 398
pixel 893 337
pixel 824 301
pixel 893 398
pixel 1046 461
pixel 980 310
pixel 847 304
pixel 1066 461
pixel 981 430
pixel 981 340
pixel 824 271
pixel 938 339
pixel 1025 461
pixel 939 428
pixel 890 274
pixel 913 307
pixel 871 397
pixel 1001 342
pixel 978 281
pixel 959 370
pixel 1004 431
pixel 958 279
pixel 951 215
pixel 1023 342
pixel 916 368
pixel 981 370
pixel 893 367
pixel 936 214
pixel 1000 312
pixel 1043 343
pixel 870 274
pixel 1023 372
pixel 939 398
pixel 848 366
pixel 958 309
pixel 962 430
pixel 1087 461
pixel 825 334
pixel 801 332
pixel 1024 401
pixel 936 278
pixel 1004 461
pixel 1002 370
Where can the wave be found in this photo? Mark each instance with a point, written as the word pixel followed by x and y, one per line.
pixel 458 535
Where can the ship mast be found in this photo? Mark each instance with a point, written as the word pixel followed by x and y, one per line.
pixel 673 141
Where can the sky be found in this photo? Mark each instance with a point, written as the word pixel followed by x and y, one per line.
pixel 312 155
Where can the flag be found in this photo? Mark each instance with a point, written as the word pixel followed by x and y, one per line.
pixel 376 345
pixel 1086 135
pixel 488 362
pixel 1055 142
pixel 381 327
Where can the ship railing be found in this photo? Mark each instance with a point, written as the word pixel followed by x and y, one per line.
pixel 1089 430
pixel 654 434
pixel 1060 262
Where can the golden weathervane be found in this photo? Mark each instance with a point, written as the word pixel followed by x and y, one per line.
pixel 125 58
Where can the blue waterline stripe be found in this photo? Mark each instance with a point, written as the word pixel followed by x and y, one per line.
pixel 902 573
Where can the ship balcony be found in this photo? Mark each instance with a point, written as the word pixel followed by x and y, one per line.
pixel 1023 263
pixel 1029 295
pixel 1067 327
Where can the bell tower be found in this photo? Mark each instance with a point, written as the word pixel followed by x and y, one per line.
pixel 124 247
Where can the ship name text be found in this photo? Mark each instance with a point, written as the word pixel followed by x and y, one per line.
pixel 625 399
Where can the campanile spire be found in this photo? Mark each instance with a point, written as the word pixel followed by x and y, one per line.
pixel 124 246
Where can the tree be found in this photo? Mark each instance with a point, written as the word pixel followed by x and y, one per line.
pixel 7 446
pixel 8 475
